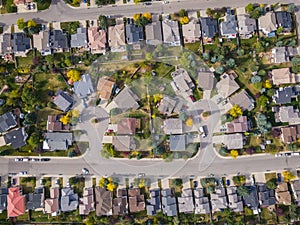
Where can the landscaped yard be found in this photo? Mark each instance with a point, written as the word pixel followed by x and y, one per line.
pixel 270 176
pixel 28 184
pixel 77 183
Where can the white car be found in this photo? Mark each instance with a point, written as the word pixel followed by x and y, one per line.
pixel 165 2
pixel 85 171
pixel 26 159
pixel 22 172
pixel 296 153
pixel 18 159
pixel 278 155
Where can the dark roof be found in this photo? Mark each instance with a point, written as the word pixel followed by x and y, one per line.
pixel 134 33
pixel 266 196
pixel 251 200
pixel 209 27
pixel 153 204
pixel 285 95
pixel 63 100
pixel 35 200
pixel 7 121
pixel 284 20
pixel 5 44
pixel 3 198
pixel 58 39
pixel 16 138
pixel 20 42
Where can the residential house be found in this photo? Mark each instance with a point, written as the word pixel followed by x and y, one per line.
pixel 16 138
pixel 168 202
pixel 58 41
pixel 128 126
pixel 247 26
pixel 178 143
pixel 7 121
pixel 251 200
pixel 116 38
pixel 84 87
pixel 55 125
pixel 35 200
pixel 86 203
pixel 296 190
pixel 15 202
pixel 52 203
pixel 201 202
pixel 169 105
pixel 171 33
pixel 284 20
pixel 218 200
pixel 235 203
pixel 97 40
pixel 283 54
pixel 153 203
pixel 105 87
pixel 63 100
pixel 234 141
pixel 41 42
pixel 79 40
pixel 103 201
pixel 229 27
pixel 266 196
pixel 284 76
pixel 57 141
pixel 68 200
pixel 173 126
pixel 267 24
pixel 282 194
pixel 120 203
pixel 191 31
pixel 5 43
pixel 153 31
pixel 136 200
pixel 288 114
pixel 286 95
pixel 3 198
pixel 123 143
pixel 20 44
pixel 186 201
pixel 238 125
pixel 290 134
pixel 134 34
pixel 227 85
pixel 243 100
pixel 182 83
pixel 125 100
pixel 209 29
pixel 206 80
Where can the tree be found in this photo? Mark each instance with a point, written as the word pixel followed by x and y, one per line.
pixel 157 97
pixel 220 70
pixel 271 184
pixel 31 23
pixel 102 182
pixel 209 12
pixel 249 8
pixel 33 140
pixel 184 20
pixel 30 118
pixel 182 13
pixel 235 111
pixel 205 56
pixel 147 15
pixel 189 122
pixel 268 85
pixel 234 153
pixel 73 75
pixel 262 73
pixel 65 119
pixel 111 186
pixel 262 101
pixel 21 24
pixel 263 125
pixel 142 21
pixel 240 52
pixel 230 63
pixel 29 98
pixel 291 8
pixel 255 79
pixel 288 176
pixel 279 30
pixel 136 16
pixel 243 191
pixel 103 22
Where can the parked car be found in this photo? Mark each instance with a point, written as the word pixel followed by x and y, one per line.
pixel 217 182
pixel 23 172
pixel 221 182
pixel 41 181
pixel 195 184
pixel 278 155
pixel 18 159
pixel 279 177
pixel 85 171
pixel 227 182
pixel 165 2
pixel 35 159
pixel 45 159
pixel 202 131
pixel 26 159
pixel 288 154
pixel 296 153
pixel 57 182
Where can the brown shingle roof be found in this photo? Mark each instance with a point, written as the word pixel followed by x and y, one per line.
pixel 103 201
pixel 290 134
pixel 127 126
pixel 136 200
pixel 105 87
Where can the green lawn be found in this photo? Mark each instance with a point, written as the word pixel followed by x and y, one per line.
pixel 43 4
pixel 28 184
pixel 77 183
pixel 270 176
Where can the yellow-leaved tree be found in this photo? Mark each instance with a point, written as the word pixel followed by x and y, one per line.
pixel 142 183
pixel 157 97
pixel 235 111
pixel 110 186
pixel 147 15
pixel 75 113
pixel 268 85
pixel 73 75
pixel 234 153
pixel 31 23
pixel 102 182
pixel 189 122
pixel 136 16
pixel 288 176
pixel 184 20
pixel 65 119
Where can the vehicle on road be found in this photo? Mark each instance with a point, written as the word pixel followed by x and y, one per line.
pixel 295 153
pixel 23 172
pixel 85 171
pixel 165 2
pixel 288 154
pixel 202 131
pixel 278 155
pixel 18 159
pixel 35 159
pixel 141 175
pixel 26 159
pixel 221 182
pixel 45 159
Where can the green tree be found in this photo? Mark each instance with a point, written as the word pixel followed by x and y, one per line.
pixel 182 13
pixel 230 63
pixel 33 140
pixel 263 125
pixel 21 24
pixel 30 118
pixel 249 8
pixel 29 98
pixel 220 70
pixel 103 22
pixel 243 191
pixel 272 184
pixel 291 8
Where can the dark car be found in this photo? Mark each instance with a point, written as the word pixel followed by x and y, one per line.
pixel 45 159
pixel 227 182
pixel 195 184
pixel 279 178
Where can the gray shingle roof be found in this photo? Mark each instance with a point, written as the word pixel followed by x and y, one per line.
pixel 17 138
pixel 134 33
pixel 79 39
pixel 171 33
pixel 7 121
pixel 177 142
pixel 69 200
pixel 84 87
pixel 3 198
pixel 20 42
pixel 169 206
pixel 153 204
pixel 284 20
pixel 59 141
pixel 154 33
pixel 251 200
pixel 209 27
pixel 285 95
pixel 35 200
pixel 229 26
pixel 5 43
pixel 58 39
pixel 63 100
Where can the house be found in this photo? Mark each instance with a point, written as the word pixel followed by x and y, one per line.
pixel 286 95
pixel 86 203
pixel 5 43
pixel 284 20
pixel 229 27
pixel 153 203
pixel 227 85
pixel 235 203
pixel 296 190
pixel 127 126
pixel 15 202
pixel 171 33
pixel 178 142
pixel 201 202
pixel 267 24
pixel 20 44
pixel 41 42
pixel 120 203
pixel 282 194
pixel 136 200
pixel 58 41
pixel 153 31
pixel 288 114
pixel 7 121
pixel 209 29
pixel 206 80
pixel 79 40
pixel 63 100
pixel 35 200
pixel 52 203
pixel 238 125
pixel 3 198
pixel 168 203
pixel 186 201
pixel 116 38
pixel 290 134
pixel 284 76
pixel 266 196
pixel 191 31
pixel 103 202
pixel 182 83
pixel 84 87
pixel 218 200
pixel 123 143
pixel 68 200
pixel 54 124
pixel 125 100
pixel 16 138
pixel 97 40
pixel 251 200
pixel 247 26
pixel 173 126
pixel 283 54
pixel 169 105
pixel 234 141
pixel 243 100
pixel 105 87
pixel 57 141
pixel 134 34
